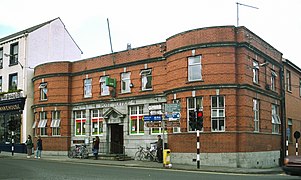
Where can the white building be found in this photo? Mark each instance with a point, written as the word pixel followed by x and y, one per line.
pixel 19 54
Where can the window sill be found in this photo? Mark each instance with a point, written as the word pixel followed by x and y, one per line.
pixel 256 84
pixel 194 81
pixel 140 134
pixel 88 97
pixel 125 92
pixel 43 100
pixel 145 90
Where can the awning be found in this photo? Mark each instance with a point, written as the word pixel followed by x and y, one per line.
pixel 42 123
pixel 55 123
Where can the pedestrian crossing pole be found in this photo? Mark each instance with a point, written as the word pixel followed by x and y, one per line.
pixel 297 147
pixel 198 145
pixel 286 147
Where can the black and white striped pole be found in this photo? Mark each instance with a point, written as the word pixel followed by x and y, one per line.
pixel 297 136
pixel 198 146
pixel 286 146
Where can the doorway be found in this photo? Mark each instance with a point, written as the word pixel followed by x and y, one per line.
pixel 116 139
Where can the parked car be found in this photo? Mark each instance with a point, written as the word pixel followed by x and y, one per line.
pixel 292 165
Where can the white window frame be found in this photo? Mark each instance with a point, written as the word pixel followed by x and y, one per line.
pixel 273 80
pixel 218 115
pixel 275 119
pixel 43 123
pixel 192 104
pixel 104 89
pixel 43 91
pixel 146 80
pixel 88 88
pixel 255 72
pixel 136 114
pixel 97 121
pixel 256 115
pixel 125 82
pixel 80 116
pixel 195 68
pixel 55 123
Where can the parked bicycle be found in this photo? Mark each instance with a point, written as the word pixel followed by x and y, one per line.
pixel 80 151
pixel 146 154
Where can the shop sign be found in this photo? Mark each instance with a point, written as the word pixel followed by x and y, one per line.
pixel 12 105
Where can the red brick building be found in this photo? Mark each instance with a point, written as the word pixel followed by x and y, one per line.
pixel 230 73
pixel 292 76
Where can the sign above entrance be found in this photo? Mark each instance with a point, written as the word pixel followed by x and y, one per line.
pixel 12 105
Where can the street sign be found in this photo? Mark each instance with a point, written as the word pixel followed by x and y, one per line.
pixel 170 108
pixel 152 118
pixel 172 124
pixel 153 124
pixel 288 132
pixel 173 116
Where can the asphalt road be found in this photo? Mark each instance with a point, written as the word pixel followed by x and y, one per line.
pixel 45 169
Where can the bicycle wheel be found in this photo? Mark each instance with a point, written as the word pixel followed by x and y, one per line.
pixel 71 154
pixel 85 153
pixel 139 156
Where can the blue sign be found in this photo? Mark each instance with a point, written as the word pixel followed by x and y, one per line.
pixel 173 116
pixel 288 132
pixel 152 118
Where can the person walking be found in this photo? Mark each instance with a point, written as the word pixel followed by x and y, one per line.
pixel 39 147
pixel 96 147
pixel 160 149
pixel 29 146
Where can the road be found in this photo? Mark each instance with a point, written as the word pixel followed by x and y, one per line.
pixel 45 169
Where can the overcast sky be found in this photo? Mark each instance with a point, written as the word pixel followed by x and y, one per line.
pixel 142 22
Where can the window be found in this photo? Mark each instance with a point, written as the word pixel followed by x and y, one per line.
pixel 13 81
pixel 43 91
pixel 43 123
pixel 255 72
pixel 288 80
pixel 97 122
pixel 194 68
pixel 34 125
pixel 55 123
pixel 125 82
pixel 87 88
pixel 80 122
pixel 256 114
pixel 14 48
pixel 275 119
pixel 146 79
pixel 104 89
pixel 192 105
pixel 1 58
pixel 273 80
pixel 0 83
pixel 290 127
pixel 136 119
pixel 218 113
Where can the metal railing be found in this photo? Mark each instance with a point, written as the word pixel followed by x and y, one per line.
pixel 11 95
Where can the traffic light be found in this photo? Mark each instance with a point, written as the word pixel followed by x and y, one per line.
pixel 199 119
pixel 192 120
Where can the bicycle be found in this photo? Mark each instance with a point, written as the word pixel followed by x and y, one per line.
pixel 80 151
pixel 147 154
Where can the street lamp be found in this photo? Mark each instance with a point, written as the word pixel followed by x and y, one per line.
pixel 9 55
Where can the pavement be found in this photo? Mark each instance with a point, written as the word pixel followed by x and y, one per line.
pixel 149 164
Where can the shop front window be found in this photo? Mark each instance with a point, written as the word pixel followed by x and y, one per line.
pixel 80 122
pixel 97 122
pixel 136 120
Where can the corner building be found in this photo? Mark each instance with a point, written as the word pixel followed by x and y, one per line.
pixel 230 73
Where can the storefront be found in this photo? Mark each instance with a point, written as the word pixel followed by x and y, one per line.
pixel 11 109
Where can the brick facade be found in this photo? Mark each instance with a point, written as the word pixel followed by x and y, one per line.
pixel 227 54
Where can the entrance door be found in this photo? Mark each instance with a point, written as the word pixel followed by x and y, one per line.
pixel 116 139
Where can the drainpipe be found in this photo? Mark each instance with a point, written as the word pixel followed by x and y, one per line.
pixel 283 117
